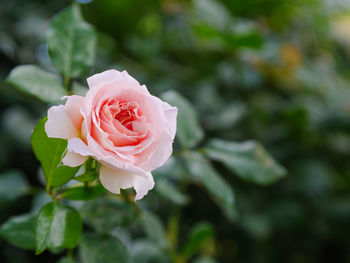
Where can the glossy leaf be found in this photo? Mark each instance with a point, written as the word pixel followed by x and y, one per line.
pixel 189 131
pixel 71 42
pixel 36 82
pixel 49 151
pixel 203 172
pixel 57 226
pixel 83 193
pixel 249 160
pixel 98 249
pixel 16 182
pixel 19 231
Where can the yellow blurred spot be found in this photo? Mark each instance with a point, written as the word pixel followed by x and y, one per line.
pixel 291 56
pixel 340 27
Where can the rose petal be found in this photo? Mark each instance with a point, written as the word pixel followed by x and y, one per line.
pixel 59 125
pixel 116 179
pixel 170 114
pixel 73 106
pixel 73 159
pixel 77 145
pixel 156 154
pixel 143 185
pixel 130 81
pixel 104 78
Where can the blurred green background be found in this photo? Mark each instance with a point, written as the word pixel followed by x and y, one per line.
pixel 277 71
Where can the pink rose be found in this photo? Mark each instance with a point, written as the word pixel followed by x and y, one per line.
pixel 121 125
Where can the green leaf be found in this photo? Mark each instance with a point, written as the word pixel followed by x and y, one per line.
pixel 189 131
pixel 173 169
pixel 248 40
pixel 203 171
pixel 88 176
pixel 199 237
pixel 169 191
pixel 226 117
pixel 19 231
pixel 104 214
pixel 49 151
pixel 145 251
pixel 212 13
pixel 36 82
pixel 98 249
pixel 16 182
pixel 57 226
pixel 71 42
pixel 83 193
pixel 154 229
pixel 17 121
pixel 249 160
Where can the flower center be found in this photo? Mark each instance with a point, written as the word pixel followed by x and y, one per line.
pixel 127 113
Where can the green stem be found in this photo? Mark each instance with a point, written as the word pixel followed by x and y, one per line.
pixel 89 164
pixel 126 196
pixel 70 254
pixel 173 227
pixel 52 191
pixel 173 233
pixel 68 85
pixel 48 190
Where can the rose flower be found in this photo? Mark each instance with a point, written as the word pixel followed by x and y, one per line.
pixel 119 124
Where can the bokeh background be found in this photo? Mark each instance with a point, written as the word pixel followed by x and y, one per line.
pixel 277 71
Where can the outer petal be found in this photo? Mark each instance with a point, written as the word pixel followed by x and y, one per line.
pixel 130 81
pixel 59 125
pixel 73 159
pixel 143 185
pixel 157 154
pixel 106 158
pixel 170 114
pixel 116 179
pixel 72 107
pixel 76 145
pixel 104 78
pixel 112 76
